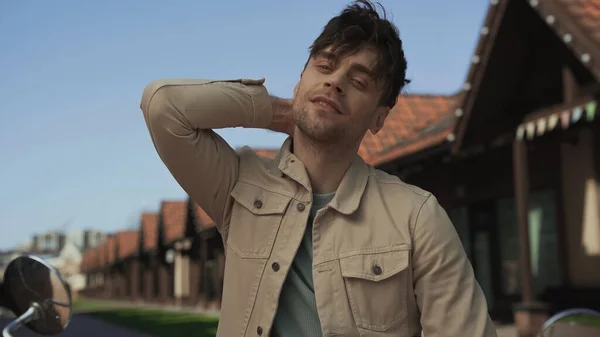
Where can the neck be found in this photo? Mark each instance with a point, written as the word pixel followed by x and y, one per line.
pixel 325 165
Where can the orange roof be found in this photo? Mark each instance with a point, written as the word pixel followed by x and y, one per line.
pixel 585 28
pixel 88 259
pixel 269 153
pixel 413 124
pixel 202 219
pixel 101 254
pixel 111 242
pixel 149 222
pixel 128 243
pixel 93 259
pixel 416 122
pixel 586 14
pixel 174 216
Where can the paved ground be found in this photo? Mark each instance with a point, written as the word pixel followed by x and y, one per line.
pixel 80 326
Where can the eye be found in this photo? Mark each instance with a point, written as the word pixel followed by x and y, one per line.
pixel 324 67
pixel 360 83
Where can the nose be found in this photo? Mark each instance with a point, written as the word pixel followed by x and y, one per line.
pixel 335 83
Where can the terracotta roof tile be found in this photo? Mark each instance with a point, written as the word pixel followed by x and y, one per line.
pixel 101 254
pixel 111 241
pixel 581 20
pixel 202 219
pixel 586 14
pixel 269 153
pixel 414 123
pixel 128 243
pixel 412 120
pixel 149 222
pixel 89 260
pixel 174 214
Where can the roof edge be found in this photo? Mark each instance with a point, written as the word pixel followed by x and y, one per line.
pixel 479 61
pixel 556 16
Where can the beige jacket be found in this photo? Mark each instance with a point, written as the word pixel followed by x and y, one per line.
pixel 387 261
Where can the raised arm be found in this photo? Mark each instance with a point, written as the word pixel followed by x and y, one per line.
pixel 181 115
pixel 451 301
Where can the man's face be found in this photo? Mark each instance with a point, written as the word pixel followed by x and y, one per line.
pixel 336 100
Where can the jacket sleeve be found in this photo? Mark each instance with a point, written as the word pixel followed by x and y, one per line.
pixel 449 298
pixel 181 114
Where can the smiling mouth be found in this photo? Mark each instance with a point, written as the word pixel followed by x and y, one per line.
pixel 326 106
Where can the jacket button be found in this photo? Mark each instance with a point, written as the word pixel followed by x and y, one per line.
pixel 259 331
pixel 376 270
pixel 300 207
pixel 275 266
pixel 257 203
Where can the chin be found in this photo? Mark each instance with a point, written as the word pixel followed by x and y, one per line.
pixel 323 134
pixel 318 125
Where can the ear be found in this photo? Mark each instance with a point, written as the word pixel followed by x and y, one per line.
pixel 379 117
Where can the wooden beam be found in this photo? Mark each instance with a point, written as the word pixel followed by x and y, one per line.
pixel 483 51
pixel 521 178
pixel 585 95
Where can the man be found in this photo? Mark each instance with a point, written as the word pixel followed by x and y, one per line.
pixel 318 243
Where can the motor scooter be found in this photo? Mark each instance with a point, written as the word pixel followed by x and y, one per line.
pixel 577 322
pixel 36 293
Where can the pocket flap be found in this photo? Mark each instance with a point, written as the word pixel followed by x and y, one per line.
pixel 375 266
pixel 258 200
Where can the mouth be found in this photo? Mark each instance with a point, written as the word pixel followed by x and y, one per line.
pixel 327 104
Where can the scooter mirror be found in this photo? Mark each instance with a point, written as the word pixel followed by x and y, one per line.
pixel 30 282
pixel 573 322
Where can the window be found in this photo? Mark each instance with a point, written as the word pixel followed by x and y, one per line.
pixel 543 241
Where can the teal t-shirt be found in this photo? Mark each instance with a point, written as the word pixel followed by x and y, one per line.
pixel 297 311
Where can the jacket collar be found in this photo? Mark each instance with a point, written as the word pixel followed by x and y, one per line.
pixel 350 191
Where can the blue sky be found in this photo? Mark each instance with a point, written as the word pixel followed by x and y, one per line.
pixel 73 146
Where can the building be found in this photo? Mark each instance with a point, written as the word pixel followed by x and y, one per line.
pixel 47 243
pixel 85 239
pixel 176 257
pixel 68 262
pixel 63 251
pixel 518 168
pixel 513 157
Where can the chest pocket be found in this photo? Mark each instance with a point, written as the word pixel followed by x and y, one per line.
pixel 255 220
pixel 377 285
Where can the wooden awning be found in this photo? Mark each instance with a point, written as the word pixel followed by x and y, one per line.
pixel 559 117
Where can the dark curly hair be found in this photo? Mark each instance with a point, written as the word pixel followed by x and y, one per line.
pixel 357 26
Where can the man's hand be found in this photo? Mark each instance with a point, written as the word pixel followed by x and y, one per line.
pixel 282 116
